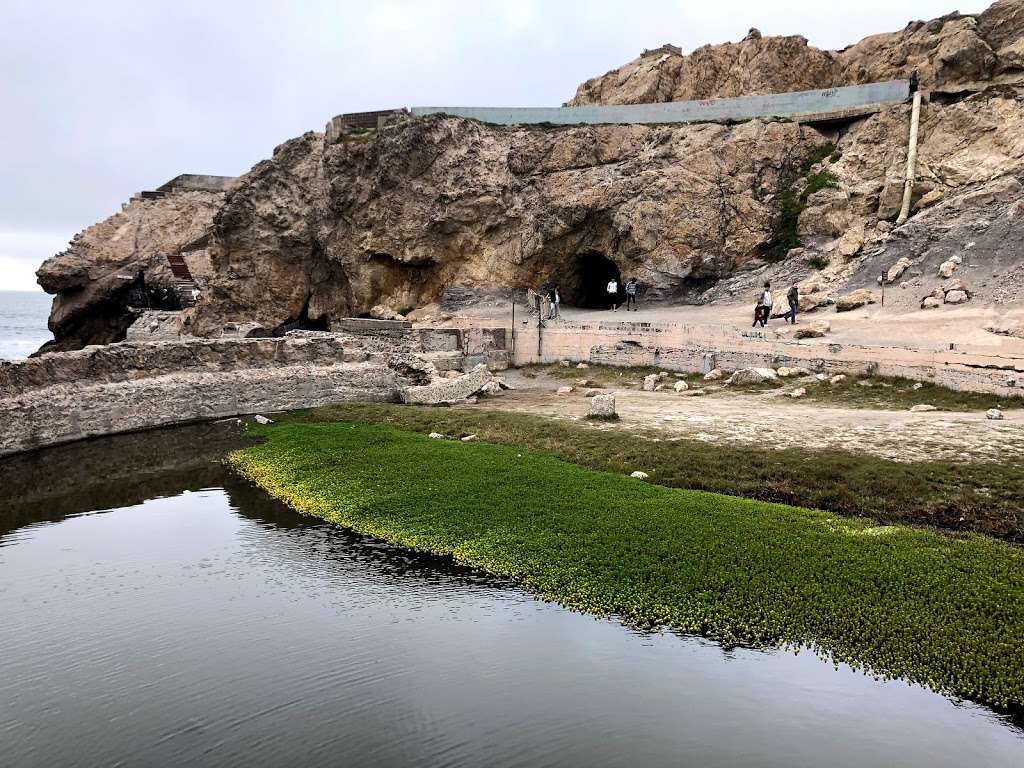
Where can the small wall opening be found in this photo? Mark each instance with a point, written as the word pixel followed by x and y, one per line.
pixel 585 282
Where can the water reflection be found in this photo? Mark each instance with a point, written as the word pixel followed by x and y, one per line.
pixel 198 622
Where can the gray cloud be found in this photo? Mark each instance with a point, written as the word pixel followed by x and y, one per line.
pixel 103 99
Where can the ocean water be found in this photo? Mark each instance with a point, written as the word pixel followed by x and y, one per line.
pixel 23 328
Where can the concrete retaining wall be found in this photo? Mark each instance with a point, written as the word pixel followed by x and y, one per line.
pixel 695 348
pixel 807 106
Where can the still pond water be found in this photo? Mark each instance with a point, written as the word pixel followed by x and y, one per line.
pixel 155 611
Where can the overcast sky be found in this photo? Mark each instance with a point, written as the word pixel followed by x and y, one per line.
pixel 101 99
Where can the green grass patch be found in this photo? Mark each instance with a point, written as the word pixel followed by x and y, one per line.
pixel 945 612
pixel 900 395
pixel 973 496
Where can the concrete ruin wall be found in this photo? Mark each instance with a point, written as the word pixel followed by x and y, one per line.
pixel 102 390
pixel 696 348
pixel 830 103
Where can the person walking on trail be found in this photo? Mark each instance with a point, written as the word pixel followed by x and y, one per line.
pixel 793 297
pixel 631 294
pixel 613 294
pixel 556 299
pixel 764 307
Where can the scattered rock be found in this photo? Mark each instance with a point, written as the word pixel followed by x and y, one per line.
pixel 380 312
pixel 785 372
pixel 821 376
pixel 681 386
pixel 947 268
pixel 748 376
pixel 582 365
pixel 918 385
pixel 563 363
pixel 839 378
pixel 639 475
pixel 566 390
pixel 798 392
pixel 650 382
pixel 814 330
pixel 262 419
pixel 468 438
pixel 854 300
pixel 602 406
pixel 923 408
pixel 436 436
pixel 713 375
pixel 930 302
pixel 896 270
pixel 956 297
pixel 994 414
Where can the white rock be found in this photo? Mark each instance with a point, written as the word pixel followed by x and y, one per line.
pixel 564 363
pixel 469 438
pixel 956 297
pixel 798 392
pixel 930 302
pixel 918 385
pixel 681 386
pixel 923 407
pixel 436 436
pixel 639 475
pixel 602 406
pixel 947 267
pixel 837 379
pixel 713 375
pixel 994 414
pixel 565 390
pixel 753 376
pixel 821 376
pixel 582 365
pixel 650 382
pixel 262 419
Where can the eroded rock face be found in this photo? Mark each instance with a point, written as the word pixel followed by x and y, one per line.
pixel 949 51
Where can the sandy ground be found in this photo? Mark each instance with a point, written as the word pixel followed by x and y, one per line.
pixel 745 418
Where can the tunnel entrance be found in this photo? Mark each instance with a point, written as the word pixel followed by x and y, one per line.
pixel 584 285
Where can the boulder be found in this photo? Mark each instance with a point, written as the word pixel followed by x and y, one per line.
pixel 839 378
pixel 380 312
pixel 747 376
pixel 813 330
pixel 923 408
pixel 582 365
pixel 994 414
pixel 681 386
pixel 956 297
pixel 714 375
pixel 896 270
pixel 639 475
pixel 602 406
pixel 262 419
pixel 947 267
pixel 650 382
pixel 854 300
pixel 566 390
pixel 930 302
pixel 436 436
pixel 784 372
pixel 956 284
pixel 798 392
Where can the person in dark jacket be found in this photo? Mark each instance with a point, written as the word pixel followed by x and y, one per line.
pixel 793 297
pixel 631 286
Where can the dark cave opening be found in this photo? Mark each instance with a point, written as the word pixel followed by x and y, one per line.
pixel 585 282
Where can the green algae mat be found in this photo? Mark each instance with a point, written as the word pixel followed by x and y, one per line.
pixel 944 611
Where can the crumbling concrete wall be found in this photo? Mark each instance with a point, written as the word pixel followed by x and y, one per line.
pixel 688 348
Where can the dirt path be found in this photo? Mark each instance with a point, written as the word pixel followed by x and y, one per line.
pixel 768 418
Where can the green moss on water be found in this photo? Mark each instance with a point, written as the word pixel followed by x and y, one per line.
pixel 946 612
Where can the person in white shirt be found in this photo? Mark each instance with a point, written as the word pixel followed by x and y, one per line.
pixel 613 294
pixel 764 307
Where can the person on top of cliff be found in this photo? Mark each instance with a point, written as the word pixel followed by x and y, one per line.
pixel 613 294
pixel 793 297
pixel 764 307
pixel 631 294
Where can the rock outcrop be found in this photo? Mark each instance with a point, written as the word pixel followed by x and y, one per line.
pixel 446 210
pixel 949 53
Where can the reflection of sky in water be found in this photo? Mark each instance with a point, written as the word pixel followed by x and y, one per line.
pixel 217 628
pixel 23 317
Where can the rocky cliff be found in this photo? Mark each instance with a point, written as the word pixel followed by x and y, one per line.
pixel 441 209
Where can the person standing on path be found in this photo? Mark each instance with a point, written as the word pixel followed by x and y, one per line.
pixel 631 294
pixel 764 304
pixel 613 294
pixel 793 297
pixel 556 299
